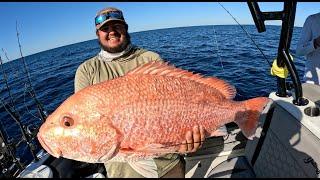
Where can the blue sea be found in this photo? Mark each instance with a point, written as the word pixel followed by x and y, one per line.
pixel 224 51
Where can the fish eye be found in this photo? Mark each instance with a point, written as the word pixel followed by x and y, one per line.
pixel 67 121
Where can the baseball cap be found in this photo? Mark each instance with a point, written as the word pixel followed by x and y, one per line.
pixel 108 14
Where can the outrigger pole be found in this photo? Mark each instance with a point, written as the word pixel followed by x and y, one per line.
pixel 287 17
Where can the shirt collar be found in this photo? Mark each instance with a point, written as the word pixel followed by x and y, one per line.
pixel 107 56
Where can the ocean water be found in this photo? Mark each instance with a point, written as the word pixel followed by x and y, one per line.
pixel 224 51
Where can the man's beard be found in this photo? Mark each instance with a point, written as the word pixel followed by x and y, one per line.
pixel 122 47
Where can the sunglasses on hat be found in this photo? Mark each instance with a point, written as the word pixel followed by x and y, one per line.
pixel 113 15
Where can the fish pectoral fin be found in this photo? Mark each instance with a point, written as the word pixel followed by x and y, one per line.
pixel 145 167
pixel 110 154
pixel 221 131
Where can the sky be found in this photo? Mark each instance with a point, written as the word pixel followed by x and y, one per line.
pixel 47 25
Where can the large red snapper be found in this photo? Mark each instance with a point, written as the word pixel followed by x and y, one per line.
pixel 143 114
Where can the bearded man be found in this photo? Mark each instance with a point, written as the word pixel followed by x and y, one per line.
pixel 117 57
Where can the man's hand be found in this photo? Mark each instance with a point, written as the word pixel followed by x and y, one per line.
pixel 194 140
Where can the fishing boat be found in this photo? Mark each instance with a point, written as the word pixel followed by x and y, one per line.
pixel 286 143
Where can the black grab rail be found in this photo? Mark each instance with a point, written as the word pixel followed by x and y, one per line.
pixel 283 58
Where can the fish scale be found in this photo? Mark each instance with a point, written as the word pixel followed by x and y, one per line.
pixel 176 115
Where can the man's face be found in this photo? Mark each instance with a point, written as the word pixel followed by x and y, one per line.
pixel 113 37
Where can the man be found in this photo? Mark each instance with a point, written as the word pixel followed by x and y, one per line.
pixel 309 46
pixel 116 58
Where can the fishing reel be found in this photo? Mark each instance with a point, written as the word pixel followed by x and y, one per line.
pixel 10 165
pixel 32 130
pixel 30 138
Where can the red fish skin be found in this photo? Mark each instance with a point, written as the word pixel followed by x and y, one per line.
pixel 139 110
pixel 161 109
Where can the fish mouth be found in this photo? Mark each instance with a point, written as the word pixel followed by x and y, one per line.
pixel 56 154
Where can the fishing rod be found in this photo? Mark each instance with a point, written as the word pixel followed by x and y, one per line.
pixel 8 89
pixel 5 78
pixel 42 113
pixel 5 53
pixel 11 109
pixel 6 144
pixel 25 137
pixel 264 56
pixel 217 47
pixel 6 148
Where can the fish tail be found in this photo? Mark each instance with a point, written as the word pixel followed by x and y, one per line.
pixel 248 120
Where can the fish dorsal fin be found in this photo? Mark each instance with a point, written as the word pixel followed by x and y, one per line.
pixel 164 69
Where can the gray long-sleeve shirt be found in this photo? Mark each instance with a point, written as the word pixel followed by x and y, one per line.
pixel 97 69
pixel 305 47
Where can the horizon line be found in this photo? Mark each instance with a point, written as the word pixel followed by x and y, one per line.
pixel 140 32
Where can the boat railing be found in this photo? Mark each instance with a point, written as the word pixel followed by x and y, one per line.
pixel 284 59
